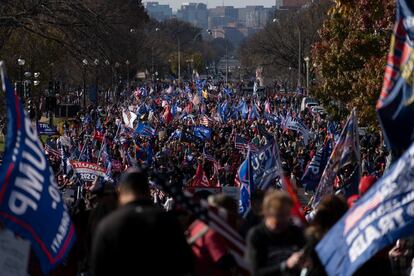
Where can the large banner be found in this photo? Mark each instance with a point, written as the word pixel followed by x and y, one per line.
pixel 383 215
pixel 30 202
pixel 395 106
pixel 88 172
pixel 313 173
pixel 264 166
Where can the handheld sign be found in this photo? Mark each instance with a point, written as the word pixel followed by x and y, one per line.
pixel 30 202
pixel 88 172
pixel 46 129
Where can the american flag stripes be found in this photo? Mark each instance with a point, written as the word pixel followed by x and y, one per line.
pixel 208 156
pixel 210 216
pixel 205 121
pixel 241 143
pixel 50 149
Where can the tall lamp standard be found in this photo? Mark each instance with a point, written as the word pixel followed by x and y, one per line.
pixel 84 64
pixel 227 50
pixel 299 59
pixel 307 75
pixel 21 62
pixel 116 80
pixel 127 66
pixel 152 54
pixel 96 63
pixel 36 83
pixel 179 58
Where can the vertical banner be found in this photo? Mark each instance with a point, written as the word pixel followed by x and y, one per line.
pixel 30 202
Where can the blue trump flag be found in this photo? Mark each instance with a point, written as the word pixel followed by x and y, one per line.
pixel 30 202
pixel 145 130
pixel 383 215
pixel 264 166
pixel 313 172
pixel 245 178
pixel 344 163
pixel 46 129
pixel 395 106
pixel 202 132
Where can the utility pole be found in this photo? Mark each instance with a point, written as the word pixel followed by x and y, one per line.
pixel 179 59
pixel 299 61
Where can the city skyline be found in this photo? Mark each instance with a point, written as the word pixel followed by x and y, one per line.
pixel 176 4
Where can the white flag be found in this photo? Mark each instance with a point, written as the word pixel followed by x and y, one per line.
pixel 129 118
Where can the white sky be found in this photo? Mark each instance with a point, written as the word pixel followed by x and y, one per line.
pixel 175 4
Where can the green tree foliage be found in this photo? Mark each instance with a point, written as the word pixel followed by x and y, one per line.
pixel 350 56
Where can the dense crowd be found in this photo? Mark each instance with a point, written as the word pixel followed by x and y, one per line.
pixel 128 224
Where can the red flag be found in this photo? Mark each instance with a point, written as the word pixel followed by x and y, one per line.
pixel 99 136
pixel 297 210
pixel 200 179
pixel 168 117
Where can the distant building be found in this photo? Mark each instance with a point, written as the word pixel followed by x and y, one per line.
pixel 293 3
pixel 222 16
pixel 157 11
pixel 255 16
pixel 194 13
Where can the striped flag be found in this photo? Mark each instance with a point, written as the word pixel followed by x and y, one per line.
pixel 205 121
pixel 145 130
pixel 208 156
pixel 200 179
pixel 211 216
pixel 240 143
pixel 51 149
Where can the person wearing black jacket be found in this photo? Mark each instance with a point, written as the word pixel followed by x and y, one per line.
pixel 273 246
pixel 139 238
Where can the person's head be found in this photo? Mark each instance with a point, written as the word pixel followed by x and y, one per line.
pixel 257 201
pixel 329 211
pixel 228 204
pixel 133 185
pixel 277 206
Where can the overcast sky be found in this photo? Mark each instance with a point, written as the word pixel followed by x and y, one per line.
pixel 175 4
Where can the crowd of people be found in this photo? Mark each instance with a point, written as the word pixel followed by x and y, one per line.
pixel 196 135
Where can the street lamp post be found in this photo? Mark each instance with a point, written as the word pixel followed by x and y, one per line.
pixel 96 62
pixel 127 66
pixel 307 75
pixel 21 63
pixel 84 64
pixel 299 60
pixel 36 83
pixel 152 53
pixel 179 59
pixel 227 50
pixel 108 92
pixel 116 80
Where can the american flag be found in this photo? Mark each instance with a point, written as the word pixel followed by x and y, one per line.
pixel 241 143
pixel 210 216
pixel 237 182
pixel 51 149
pixel 205 121
pixel 209 156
